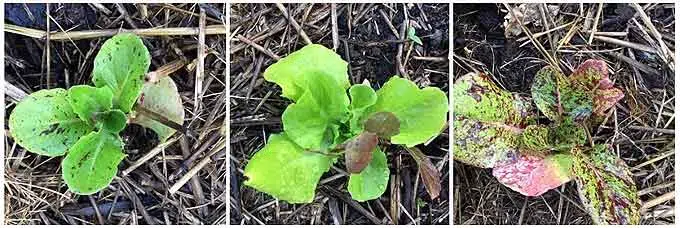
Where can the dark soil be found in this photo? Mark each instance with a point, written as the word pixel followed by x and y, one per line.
pixel 366 41
pixel 34 190
pixel 480 44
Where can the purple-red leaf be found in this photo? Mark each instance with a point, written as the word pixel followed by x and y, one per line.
pixel 359 151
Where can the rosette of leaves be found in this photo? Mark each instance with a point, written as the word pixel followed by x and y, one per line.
pixel 494 128
pixel 324 122
pixel 84 121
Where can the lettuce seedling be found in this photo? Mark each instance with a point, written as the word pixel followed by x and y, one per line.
pixel 494 128
pixel 323 123
pixel 84 121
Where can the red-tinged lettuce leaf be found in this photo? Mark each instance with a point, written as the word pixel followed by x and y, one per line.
pixel 594 75
pixel 549 84
pixel 534 175
pixel 606 187
pixel 383 124
pixel 429 173
pixel 359 151
pixel 484 145
pixel 475 96
pixel 605 99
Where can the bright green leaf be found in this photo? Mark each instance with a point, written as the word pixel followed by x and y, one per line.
pixel 606 187
pixel 92 162
pixel 412 36
pixel 162 98
pixel 372 181
pixel 87 101
pixel 421 112
pixel 475 96
pixel 361 96
pixel 484 145
pixel 285 171
pixel 112 121
pixel 322 106
pixel 121 64
pixel 295 73
pixel 534 175
pixel 44 123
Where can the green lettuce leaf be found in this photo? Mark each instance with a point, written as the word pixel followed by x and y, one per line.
pixel 421 112
pixel 113 121
pixel 362 97
pixel 311 61
pixel 121 64
pixel 44 123
pixel 322 106
pixel 606 187
pixel 286 171
pixel 92 162
pixel 372 181
pixel 88 101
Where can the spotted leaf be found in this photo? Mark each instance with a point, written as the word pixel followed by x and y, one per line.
pixel 92 162
pixel 606 187
pixel 535 175
pixel 121 64
pixel 44 123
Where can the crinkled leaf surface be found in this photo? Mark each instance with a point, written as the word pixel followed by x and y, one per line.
pixel 588 90
pixel 92 162
pixel 321 106
pixel 606 187
pixel 361 96
pixel 534 175
pixel 121 64
pixel 112 121
pixel 309 62
pixel 372 181
pixel 44 123
pixel 421 112
pixel 286 171
pixel 484 145
pixel 475 96
pixel 560 136
pixel 359 151
pixel 163 98
pixel 87 101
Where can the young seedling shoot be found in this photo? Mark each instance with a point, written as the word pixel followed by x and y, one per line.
pixel 329 118
pixel 494 128
pixel 84 121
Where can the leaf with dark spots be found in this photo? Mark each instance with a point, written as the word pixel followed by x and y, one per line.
pixel 44 123
pixel 483 144
pixel 87 162
pixel 606 187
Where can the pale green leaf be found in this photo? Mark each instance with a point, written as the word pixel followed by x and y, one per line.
pixel 421 112
pixel 162 98
pixel 372 181
pixel 484 145
pixel 361 96
pixel 44 123
pixel 323 105
pixel 286 171
pixel 121 65
pixel 293 72
pixel 92 162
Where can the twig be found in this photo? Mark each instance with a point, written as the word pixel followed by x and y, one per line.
pixel 334 22
pixel 200 68
pixel 293 23
pixel 624 43
pixel 148 156
pixel 88 34
pixel 258 47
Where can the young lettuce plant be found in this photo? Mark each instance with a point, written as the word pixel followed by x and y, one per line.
pixel 323 123
pixel 84 121
pixel 497 129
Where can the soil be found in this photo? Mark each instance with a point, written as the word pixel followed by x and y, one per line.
pixel 480 45
pixel 366 41
pixel 34 190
